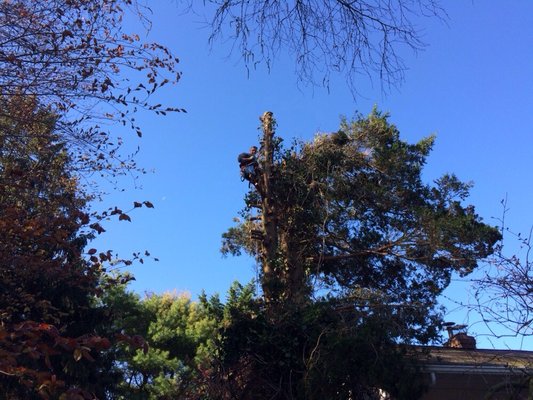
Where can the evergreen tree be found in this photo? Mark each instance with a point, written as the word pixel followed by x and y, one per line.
pixel 354 247
pixel 180 336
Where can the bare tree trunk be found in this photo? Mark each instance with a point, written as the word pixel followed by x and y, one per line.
pixel 283 275
pixel 269 250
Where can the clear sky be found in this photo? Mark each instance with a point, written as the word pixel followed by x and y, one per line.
pixel 472 86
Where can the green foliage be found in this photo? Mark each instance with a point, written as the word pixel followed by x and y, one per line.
pixel 353 213
pixel 354 250
pixel 324 350
pixel 179 334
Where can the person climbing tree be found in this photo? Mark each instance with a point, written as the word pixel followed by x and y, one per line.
pixel 248 165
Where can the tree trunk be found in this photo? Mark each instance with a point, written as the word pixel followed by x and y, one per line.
pixel 294 284
pixel 269 245
pixel 283 280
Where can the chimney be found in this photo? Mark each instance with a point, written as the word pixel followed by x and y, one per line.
pixel 459 340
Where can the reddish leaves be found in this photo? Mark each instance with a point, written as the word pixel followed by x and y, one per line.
pixel 124 217
pixel 97 227
pixel 40 342
pixel 46 287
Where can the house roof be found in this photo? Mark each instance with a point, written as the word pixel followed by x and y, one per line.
pixel 482 361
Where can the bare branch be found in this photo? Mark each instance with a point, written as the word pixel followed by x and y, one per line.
pixel 353 38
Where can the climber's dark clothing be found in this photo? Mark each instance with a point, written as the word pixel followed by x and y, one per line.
pixel 248 165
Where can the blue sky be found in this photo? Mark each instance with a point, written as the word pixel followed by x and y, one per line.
pixel 472 86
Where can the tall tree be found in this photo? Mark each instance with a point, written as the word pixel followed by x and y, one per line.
pixel 67 70
pixel 49 323
pixel 354 38
pixel 349 213
pixel 354 250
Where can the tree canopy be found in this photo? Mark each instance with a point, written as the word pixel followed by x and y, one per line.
pixel 347 215
pixel 179 333
pixel 68 71
pixel 48 318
